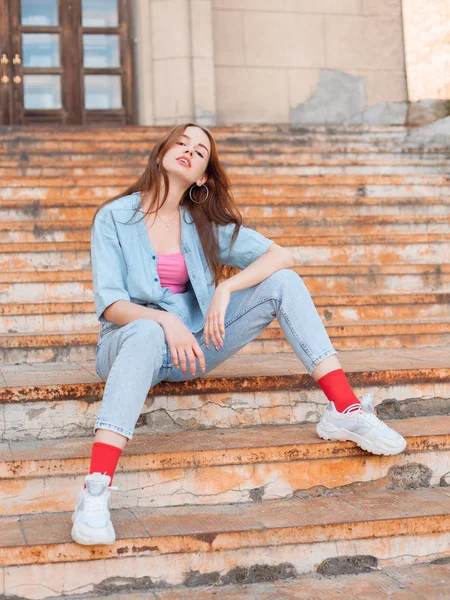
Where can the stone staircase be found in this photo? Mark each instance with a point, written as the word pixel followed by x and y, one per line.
pixel 226 471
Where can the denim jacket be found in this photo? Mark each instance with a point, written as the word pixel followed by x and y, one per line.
pixel 124 263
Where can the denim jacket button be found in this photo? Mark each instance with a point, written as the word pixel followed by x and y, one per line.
pixel 154 257
pixel 156 279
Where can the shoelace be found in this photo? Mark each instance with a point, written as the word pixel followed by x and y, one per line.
pixel 356 410
pixel 371 419
pixel 353 408
pixel 99 502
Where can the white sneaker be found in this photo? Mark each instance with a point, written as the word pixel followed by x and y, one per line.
pixel 91 518
pixel 359 424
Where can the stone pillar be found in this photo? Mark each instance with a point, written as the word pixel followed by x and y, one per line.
pixel 143 62
pixel 203 81
pixel 174 60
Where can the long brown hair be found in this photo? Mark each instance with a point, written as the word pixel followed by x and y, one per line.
pixel 220 207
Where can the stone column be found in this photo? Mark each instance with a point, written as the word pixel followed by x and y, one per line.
pixel 174 60
pixel 203 81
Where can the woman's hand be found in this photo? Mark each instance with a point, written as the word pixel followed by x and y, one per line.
pixel 215 319
pixel 182 343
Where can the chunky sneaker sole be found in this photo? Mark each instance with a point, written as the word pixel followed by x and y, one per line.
pixel 91 520
pixel 360 425
pixel 327 431
pixel 87 536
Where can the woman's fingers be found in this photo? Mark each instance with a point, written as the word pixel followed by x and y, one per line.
pixel 191 359
pixel 174 354
pixel 206 334
pixel 215 330
pixel 179 357
pixel 217 333
pixel 201 357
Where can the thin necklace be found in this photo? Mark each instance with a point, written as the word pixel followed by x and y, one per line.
pixel 167 224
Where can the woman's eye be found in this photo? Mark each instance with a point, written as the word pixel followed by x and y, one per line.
pixel 183 144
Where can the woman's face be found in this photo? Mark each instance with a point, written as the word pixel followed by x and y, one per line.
pixel 194 146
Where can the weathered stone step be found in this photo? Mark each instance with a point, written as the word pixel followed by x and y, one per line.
pixel 251 207
pixel 240 163
pixel 132 160
pixel 81 152
pixel 110 145
pixel 276 144
pixel 37 347
pixel 66 231
pixel 339 249
pixel 66 345
pixel 254 181
pixel 235 163
pixel 243 131
pixel 264 582
pixel 251 194
pixel 411 524
pixel 330 207
pixel 48 317
pixel 236 465
pixel 340 280
pixel 60 398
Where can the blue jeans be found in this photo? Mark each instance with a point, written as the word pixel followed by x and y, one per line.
pixel 135 357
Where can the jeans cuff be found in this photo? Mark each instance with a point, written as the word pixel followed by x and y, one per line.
pixel 115 428
pixel 321 357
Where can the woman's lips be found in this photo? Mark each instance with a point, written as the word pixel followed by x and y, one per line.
pixel 184 164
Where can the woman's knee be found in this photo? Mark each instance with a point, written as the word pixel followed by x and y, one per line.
pixel 145 330
pixel 285 278
pixel 145 336
pixel 138 344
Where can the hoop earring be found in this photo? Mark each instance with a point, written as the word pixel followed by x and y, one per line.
pixel 196 201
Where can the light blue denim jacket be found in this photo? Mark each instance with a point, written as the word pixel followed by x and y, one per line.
pixel 124 263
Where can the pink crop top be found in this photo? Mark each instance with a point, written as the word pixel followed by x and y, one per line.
pixel 172 272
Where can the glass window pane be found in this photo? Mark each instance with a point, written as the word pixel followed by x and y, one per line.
pixel 39 12
pixel 101 51
pixel 42 91
pixel 40 49
pixel 102 92
pixel 99 13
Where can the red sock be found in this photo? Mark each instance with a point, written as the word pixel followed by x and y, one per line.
pixel 336 387
pixel 104 458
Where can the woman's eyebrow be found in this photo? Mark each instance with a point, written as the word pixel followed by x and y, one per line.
pixel 186 136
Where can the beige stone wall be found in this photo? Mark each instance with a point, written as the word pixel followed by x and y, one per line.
pixel 269 53
pixel 250 61
pixel 427 48
pixel 174 65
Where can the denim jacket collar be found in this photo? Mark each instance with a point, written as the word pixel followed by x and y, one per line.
pixel 145 238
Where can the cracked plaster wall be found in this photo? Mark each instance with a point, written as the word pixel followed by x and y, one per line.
pixel 296 61
pixel 163 414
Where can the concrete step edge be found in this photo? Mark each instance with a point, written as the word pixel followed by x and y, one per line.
pixel 244 202
pixel 260 372
pixel 336 331
pixel 231 527
pixel 260 179
pixel 209 448
pixel 289 241
pixel 303 270
pixel 87 306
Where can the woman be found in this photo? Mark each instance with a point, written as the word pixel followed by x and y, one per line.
pixel 166 255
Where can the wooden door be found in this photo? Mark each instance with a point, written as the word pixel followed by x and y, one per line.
pixel 66 62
